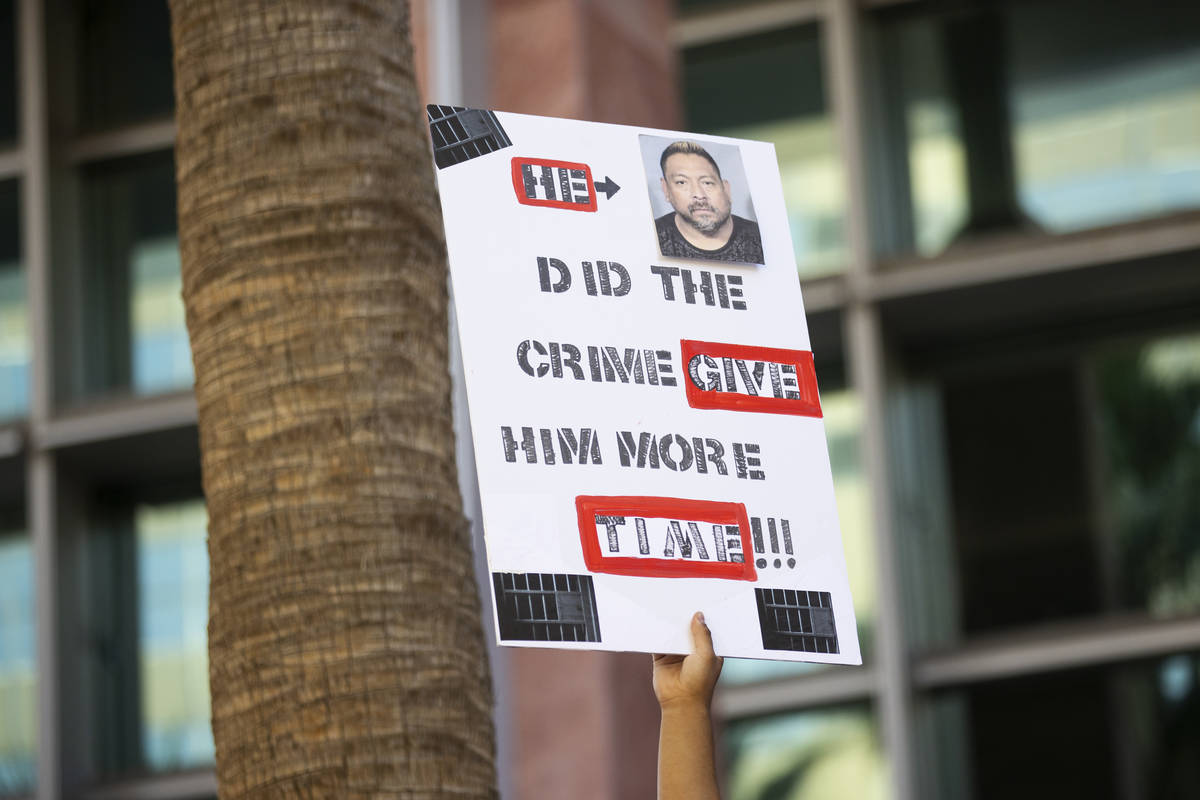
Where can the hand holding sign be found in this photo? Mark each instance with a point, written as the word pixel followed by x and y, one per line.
pixel 684 687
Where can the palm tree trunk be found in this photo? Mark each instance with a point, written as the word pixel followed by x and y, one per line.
pixel 346 655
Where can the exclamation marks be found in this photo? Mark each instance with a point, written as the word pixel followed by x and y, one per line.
pixel 774 529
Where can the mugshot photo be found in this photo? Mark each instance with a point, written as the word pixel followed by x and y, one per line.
pixel 700 200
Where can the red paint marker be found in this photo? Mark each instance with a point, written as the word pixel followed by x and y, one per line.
pixel 702 537
pixel 553 184
pixel 739 377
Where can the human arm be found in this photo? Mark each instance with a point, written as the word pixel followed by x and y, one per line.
pixel 684 687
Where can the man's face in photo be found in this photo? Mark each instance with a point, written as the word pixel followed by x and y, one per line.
pixel 697 193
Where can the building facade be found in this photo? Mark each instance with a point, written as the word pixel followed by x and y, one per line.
pixel 996 213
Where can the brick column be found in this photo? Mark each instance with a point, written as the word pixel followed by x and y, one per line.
pixel 600 60
pixel 584 725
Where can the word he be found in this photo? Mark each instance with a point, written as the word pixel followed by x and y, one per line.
pixel 557 359
pixel 743 376
pixel 715 288
pixel 541 180
pixel 676 542
pixel 601 277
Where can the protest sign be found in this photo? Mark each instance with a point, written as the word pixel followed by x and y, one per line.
pixel 644 405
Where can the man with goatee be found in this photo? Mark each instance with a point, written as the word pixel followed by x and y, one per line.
pixel 702 226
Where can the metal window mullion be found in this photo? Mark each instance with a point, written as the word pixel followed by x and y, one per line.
pixel 843 73
pixel 158 413
pixel 823 688
pixel 866 356
pixel 867 361
pixel 170 786
pixel 1050 650
pixel 129 140
pixel 40 479
pixel 1018 257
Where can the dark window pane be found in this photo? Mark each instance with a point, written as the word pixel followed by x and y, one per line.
pixel 1050 116
pixel 147 657
pixel 18 664
pixel 14 317
pixel 1072 492
pixel 1149 406
pixel 133 336
pixel 172 625
pixel 822 753
pixel 1116 732
pixel 771 87
pixel 755 79
pixel 124 62
pixel 1025 545
pixel 8 73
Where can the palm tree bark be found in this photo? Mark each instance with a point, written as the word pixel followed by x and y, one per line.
pixel 346 654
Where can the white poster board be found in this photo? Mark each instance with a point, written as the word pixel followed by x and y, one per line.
pixel 645 416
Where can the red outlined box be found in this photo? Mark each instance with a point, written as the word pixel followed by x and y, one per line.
pixel 668 508
pixel 519 183
pixel 808 404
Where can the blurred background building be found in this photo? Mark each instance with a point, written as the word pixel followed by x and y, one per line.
pixel 996 214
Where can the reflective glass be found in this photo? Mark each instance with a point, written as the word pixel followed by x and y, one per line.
pixel 843 424
pixel 771 87
pixel 133 336
pixel 124 61
pixel 18 665
pixel 924 162
pixel 172 623
pixel 1077 501
pixel 162 360
pixel 810 755
pixel 1113 733
pixel 14 318
pixel 1102 140
pixel 1007 118
pixel 1149 404
pixel 144 657
pixel 8 73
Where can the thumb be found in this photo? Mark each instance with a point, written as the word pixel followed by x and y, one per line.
pixel 701 636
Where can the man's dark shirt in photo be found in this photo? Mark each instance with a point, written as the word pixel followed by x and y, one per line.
pixel 744 245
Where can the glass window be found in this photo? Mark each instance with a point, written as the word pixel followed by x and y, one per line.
pixel 1100 139
pixel 133 336
pixel 14 318
pixel 172 624
pixel 147 655
pixel 843 424
pixel 8 73
pixel 1009 118
pixel 810 755
pixel 923 163
pixel 1078 500
pixel 18 664
pixel 1129 731
pixel 1148 401
pixel 124 62
pixel 771 87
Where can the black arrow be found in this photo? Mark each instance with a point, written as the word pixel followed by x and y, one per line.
pixel 609 187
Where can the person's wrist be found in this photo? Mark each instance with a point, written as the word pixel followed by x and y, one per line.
pixel 686 706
